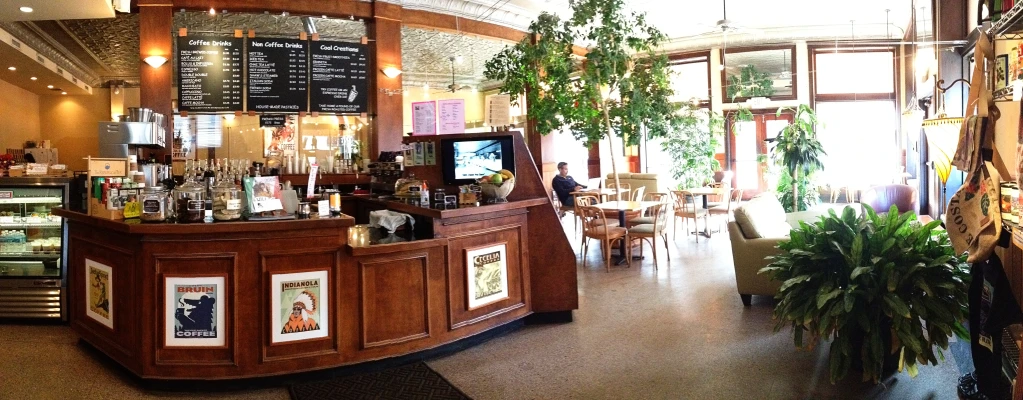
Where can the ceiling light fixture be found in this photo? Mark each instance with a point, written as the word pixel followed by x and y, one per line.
pixel 11 68
pixel 459 59
pixel 155 61
pixel 49 86
pixel 33 78
pixel 391 72
pixel 63 93
pixel 26 9
pixel 212 11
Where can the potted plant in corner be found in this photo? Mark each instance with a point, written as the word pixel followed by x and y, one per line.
pixel 887 291
pixel 692 146
pixel 798 151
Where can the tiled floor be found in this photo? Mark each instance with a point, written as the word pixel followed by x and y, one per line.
pixel 678 332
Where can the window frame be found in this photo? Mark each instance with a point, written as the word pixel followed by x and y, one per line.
pixel 693 58
pixel 738 100
pixel 819 48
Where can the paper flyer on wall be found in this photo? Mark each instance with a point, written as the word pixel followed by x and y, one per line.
pixel 99 284
pixel 487 270
pixel 424 118
pixel 451 116
pixel 419 155
pixel 431 153
pixel 280 139
pixel 194 311
pixel 299 306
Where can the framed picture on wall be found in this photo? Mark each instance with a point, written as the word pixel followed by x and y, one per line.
pixel 487 273
pixel 1001 71
pixel 299 306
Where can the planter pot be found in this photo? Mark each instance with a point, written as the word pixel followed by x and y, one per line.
pixel 720 176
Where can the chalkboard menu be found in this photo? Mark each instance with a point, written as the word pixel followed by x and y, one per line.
pixel 272 120
pixel 209 74
pixel 277 75
pixel 339 82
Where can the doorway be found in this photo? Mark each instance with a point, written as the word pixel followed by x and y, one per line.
pixel 746 149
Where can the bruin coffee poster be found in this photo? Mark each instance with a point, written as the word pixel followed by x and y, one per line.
pixel 195 311
pixel 299 306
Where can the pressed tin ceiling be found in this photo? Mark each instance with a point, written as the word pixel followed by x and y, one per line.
pixel 425 57
pixel 114 42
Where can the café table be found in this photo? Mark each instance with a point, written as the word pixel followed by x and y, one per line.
pixel 704 192
pixel 623 207
pixel 603 193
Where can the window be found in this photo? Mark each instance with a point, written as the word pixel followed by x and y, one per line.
pixel 690 79
pixel 860 72
pixel 859 139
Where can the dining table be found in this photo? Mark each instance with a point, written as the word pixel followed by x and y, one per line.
pixel 624 207
pixel 602 193
pixel 704 192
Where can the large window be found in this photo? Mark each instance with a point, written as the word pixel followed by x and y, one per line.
pixel 690 79
pixel 859 72
pixel 766 73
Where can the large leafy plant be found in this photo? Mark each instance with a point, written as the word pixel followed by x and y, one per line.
pixel 875 285
pixel 806 190
pixel 797 149
pixel 749 82
pixel 693 145
pixel 621 89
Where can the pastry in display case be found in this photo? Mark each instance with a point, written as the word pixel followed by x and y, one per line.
pixel 32 252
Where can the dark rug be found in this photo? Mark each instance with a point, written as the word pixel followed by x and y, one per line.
pixel 413 381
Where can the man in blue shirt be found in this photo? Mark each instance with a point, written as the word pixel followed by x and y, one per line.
pixel 564 184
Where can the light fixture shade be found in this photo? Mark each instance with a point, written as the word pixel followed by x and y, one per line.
pixel 155 61
pixel 943 137
pixel 391 72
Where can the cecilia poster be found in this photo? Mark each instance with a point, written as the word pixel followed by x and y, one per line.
pixel 194 312
pixel 99 288
pixel 487 270
pixel 299 306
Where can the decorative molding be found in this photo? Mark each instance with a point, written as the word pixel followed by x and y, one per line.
pixel 506 15
pixel 75 71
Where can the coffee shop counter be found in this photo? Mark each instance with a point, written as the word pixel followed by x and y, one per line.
pixel 248 299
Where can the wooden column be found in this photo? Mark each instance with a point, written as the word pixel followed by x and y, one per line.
pixel 385 29
pixel 155 21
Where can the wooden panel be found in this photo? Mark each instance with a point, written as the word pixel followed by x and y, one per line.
pixel 196 265
pixel 478 234
pixel 291 261
pixel 393 294
pixel 334 8
pixel 119 343
pixel 155 83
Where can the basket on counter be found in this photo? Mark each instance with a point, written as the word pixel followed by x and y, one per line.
pixel 498 193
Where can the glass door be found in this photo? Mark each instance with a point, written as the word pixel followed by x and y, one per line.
pixel 748 151
pixel 31 238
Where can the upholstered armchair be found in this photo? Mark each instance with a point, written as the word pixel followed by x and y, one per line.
pixel 881 198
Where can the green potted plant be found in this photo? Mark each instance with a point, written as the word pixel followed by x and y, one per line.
pixel 798 151
pixel 884 289
pixel 693 145
pixel 621 88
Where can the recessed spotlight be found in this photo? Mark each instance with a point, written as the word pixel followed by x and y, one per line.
pixel 63 92
pixel 26 9
pixel 33 78
pixel 49 86
pixel 212 11
pixel 11 68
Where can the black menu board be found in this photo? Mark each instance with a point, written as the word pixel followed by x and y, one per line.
pixel 209 74
pixel 272 120
pixel 339 82
pixel 277 75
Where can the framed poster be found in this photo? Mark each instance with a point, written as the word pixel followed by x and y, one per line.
pixel 431 153
pixel 424 118
pixel 298 304
pixel 418 154
pixel 99 291
pixel 194 311
pixel 281 137
pixel 487 273
pixel 1001 71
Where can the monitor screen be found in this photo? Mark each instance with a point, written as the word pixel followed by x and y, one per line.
pixel 466 160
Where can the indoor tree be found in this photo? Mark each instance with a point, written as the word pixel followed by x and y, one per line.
pixel 693 145
pixel 621 89
pixel 797 149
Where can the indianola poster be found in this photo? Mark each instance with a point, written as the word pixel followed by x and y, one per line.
pixel 488 274
pixel 99 286
pixel 194 311
pixel 299 306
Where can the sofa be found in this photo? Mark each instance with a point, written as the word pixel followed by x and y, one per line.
pixel 636 180
pixel 758 226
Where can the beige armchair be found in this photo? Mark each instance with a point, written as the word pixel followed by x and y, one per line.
pixel 758 227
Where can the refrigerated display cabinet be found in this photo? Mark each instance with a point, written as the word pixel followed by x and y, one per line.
pixel 33 276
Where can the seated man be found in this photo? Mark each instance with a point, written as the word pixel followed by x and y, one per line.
pixel 564 185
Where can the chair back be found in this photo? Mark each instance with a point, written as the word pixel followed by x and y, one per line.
pixel 637 194
pixel 685 203
pixel 734 197
pixel 655 196
pixel 660 213
pixel 881 198
pixel 555 200
pixel 625 187
pixel 592 218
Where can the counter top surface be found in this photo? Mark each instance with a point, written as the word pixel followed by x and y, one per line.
pixel 134 226
pixel 458 212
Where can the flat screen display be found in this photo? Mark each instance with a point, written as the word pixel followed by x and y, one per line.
pixel 466 160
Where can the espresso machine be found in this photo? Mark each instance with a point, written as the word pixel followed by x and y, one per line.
pixel 140 128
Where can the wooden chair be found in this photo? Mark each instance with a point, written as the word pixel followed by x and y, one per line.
pixel 637 194
pixel 595 226
pixel 715 200
pixel 686 208
pixel 726 209
pixel 586 200
pixel 653 231
pixel 647 218
pixel 625 188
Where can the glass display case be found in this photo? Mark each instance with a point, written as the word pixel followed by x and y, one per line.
pixel 32 252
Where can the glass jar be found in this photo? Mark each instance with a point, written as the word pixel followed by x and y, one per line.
pixel 154 201
pixel 227 202
pixel 189 202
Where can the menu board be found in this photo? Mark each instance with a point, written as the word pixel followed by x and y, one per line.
pixel 209 74
pixel 277 75
pixel 339 77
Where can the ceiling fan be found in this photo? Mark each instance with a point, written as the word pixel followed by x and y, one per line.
pixel 454 87
pixel 726 26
